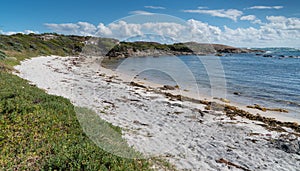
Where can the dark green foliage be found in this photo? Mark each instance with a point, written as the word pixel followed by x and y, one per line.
pixel 126 47
pixel 140 46
pixel 180 47
pixel 41 132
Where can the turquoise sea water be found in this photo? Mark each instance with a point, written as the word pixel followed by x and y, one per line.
pixel 269 81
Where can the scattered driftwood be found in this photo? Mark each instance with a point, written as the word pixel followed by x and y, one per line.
pixel 231 164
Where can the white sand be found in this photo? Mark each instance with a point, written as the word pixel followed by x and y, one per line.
pixel 158 126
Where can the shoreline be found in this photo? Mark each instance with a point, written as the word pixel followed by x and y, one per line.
pixel 270 113
pixel 177 127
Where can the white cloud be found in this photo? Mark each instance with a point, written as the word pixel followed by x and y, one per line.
pixel 283 23
pixel 30 31
pixel 251 18
pixel 265 7
pixel 9 32
pixel 103 30
pixel 67 27
pixel 122 29
pixel 232 14
pixel 248 17
pixel 201 7
pixel 15 32
pixel 154 7
pixel 277 31
pixel 80 28
pixel 139 12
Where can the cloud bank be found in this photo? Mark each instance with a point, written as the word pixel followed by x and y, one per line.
pixel 277 31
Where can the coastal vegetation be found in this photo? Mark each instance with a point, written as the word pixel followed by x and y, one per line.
pixel 39 131
pixel 22 46
pixel 129 49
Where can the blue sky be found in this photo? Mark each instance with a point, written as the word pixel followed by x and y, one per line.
pixel 230 16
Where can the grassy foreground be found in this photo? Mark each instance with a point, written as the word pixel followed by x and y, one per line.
pixel 40 131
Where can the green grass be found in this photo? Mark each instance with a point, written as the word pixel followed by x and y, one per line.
pixel 41 131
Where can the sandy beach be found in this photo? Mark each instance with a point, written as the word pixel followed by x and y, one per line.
pixel 158 124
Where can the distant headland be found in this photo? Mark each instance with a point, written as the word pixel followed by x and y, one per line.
pixel 22 46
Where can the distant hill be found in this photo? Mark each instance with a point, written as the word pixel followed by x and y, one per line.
pixel 23 46
pixel 140 48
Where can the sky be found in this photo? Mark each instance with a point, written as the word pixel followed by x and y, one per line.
pixel 242 23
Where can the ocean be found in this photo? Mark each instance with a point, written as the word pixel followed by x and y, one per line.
pixel 270 79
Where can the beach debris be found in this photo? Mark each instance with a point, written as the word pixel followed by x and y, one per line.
pixel 251 139
pixel 215 106
pixel 108 80
pixel 112 77
pixel 134 100
pixel 232 111
pixel 222 99
pixel 111 103
pixel 264 109
pixel 174 97
pixel 137 84
pixel 228 163
pixel 193 117
pixel 140 123
pixel 169 87
pixel 178 112
pixel 198 111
